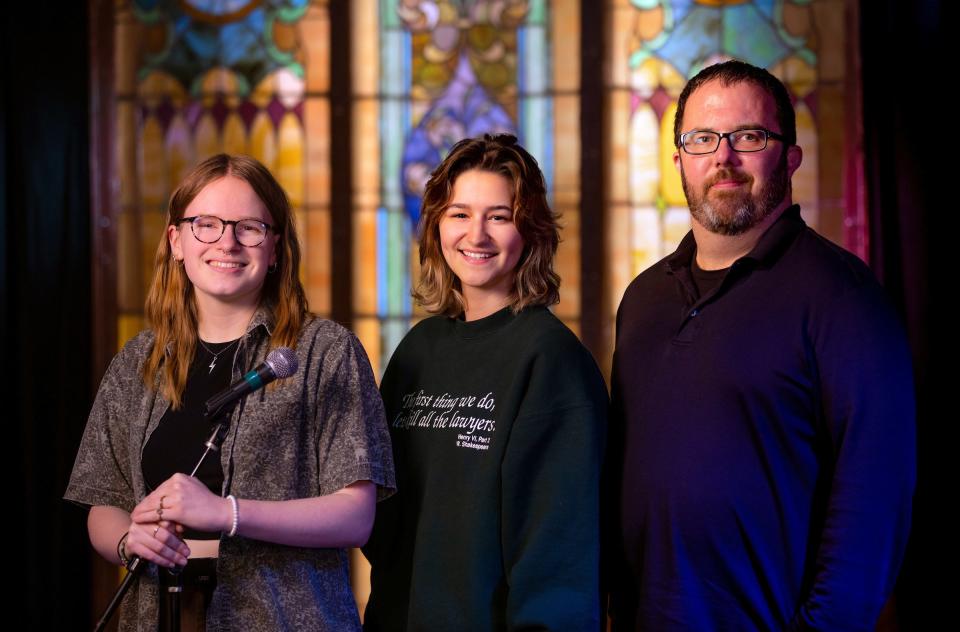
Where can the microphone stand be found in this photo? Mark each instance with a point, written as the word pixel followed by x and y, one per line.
pixel 136 565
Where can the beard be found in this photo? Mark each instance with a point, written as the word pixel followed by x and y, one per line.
pixel 735 212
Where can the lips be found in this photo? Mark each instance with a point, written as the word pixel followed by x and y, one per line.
pixel 727 180
pixel 478 256
pixel 226 265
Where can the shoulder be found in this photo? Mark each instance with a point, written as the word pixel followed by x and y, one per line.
pixel 319 336
pixel 320 329
pixel 825 265
pixel 541 331
pixel 429 327
pixel 129 360
pixel 832 285
pixel 137 347
pixel 423 338
pixel 654 284
pixel 557 358
pixel 328 345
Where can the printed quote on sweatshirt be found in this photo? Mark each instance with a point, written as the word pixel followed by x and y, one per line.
pixel 470 416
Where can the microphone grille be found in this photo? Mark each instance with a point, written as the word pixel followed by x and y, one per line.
pixel 283 361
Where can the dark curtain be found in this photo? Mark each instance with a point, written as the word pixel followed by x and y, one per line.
pixel 44 216
pixel 906 79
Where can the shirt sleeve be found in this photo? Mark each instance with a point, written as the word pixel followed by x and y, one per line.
pixel 868 407
pixel 550 498
pixel 102 470
pixel 354 443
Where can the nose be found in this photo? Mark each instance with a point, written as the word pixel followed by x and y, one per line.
pixel 228 240
pixel 725 154
pixel 477 230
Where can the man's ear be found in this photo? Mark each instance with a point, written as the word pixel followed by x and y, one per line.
pixel 794 158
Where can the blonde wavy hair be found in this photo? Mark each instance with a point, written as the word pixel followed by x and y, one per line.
pixel 171 307
pixel 535 282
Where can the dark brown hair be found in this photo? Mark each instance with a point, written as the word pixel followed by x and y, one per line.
pixel 535 282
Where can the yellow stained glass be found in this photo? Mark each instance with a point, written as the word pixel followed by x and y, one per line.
pixel 365 261
pixel 152 161
pixel 645 166
pixel 180 154
pixel 206 137
pixel 170 115
pixel 234 135
pixel 263 140
pixel 290 155
pixel 670 185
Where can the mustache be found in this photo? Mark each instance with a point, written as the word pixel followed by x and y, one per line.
pixel 727 175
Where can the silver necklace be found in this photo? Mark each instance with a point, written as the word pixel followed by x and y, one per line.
pixel 213 362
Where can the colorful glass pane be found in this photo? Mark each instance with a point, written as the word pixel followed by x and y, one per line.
pixel 655 46
pixel 197 77
pixel 447 70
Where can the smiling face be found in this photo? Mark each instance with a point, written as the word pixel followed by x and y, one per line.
pixel 731 192
pixel 225 273
pixel 479 240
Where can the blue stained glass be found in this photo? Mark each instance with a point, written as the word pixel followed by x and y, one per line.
pixel 679 8
pixel 537 12
pixel 394 63
pixel 392 116
pixel 763 47
pixel 464 109
pixel 392 332
pixel 694 38
pixel 536 116
pixel 767 6
pixel 745 31
pixel 398 252
pixel 383 261
pixel 244 44
pixel 531 51
pixel 646 4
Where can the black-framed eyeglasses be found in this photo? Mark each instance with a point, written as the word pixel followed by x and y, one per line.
pixel 699 142
pixel 209 229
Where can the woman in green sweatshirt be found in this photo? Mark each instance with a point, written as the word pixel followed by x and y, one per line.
pixel 498 418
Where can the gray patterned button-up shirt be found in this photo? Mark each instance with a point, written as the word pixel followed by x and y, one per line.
pixel 309 435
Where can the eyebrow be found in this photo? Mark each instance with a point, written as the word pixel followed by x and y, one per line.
pixel 735 129
pixel 495 207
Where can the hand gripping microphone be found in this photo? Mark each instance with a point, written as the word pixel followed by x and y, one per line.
pixel 280 363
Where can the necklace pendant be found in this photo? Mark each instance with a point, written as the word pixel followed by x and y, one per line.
pixel 213 364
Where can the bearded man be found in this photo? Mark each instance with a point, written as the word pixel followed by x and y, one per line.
pixel 762 396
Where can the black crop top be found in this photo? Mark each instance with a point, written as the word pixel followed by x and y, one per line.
pixel 178 440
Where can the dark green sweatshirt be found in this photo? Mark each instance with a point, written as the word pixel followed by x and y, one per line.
pixel 498 429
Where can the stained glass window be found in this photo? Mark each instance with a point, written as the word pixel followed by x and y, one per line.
pixel 198 77
pixel 654 46
pixel 428 73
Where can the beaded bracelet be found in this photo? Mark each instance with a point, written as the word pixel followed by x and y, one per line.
pixel 236 515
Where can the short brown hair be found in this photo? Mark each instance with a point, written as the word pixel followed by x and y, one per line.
pixel 535 282
pixel 171 308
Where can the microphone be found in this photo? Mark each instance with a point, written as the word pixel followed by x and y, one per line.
pixel 280 363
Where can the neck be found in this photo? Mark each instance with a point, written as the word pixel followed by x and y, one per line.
pixel 221 323
pixel 478 307
pixel 718 252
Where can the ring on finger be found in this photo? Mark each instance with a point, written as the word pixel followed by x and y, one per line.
pixel 155 530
